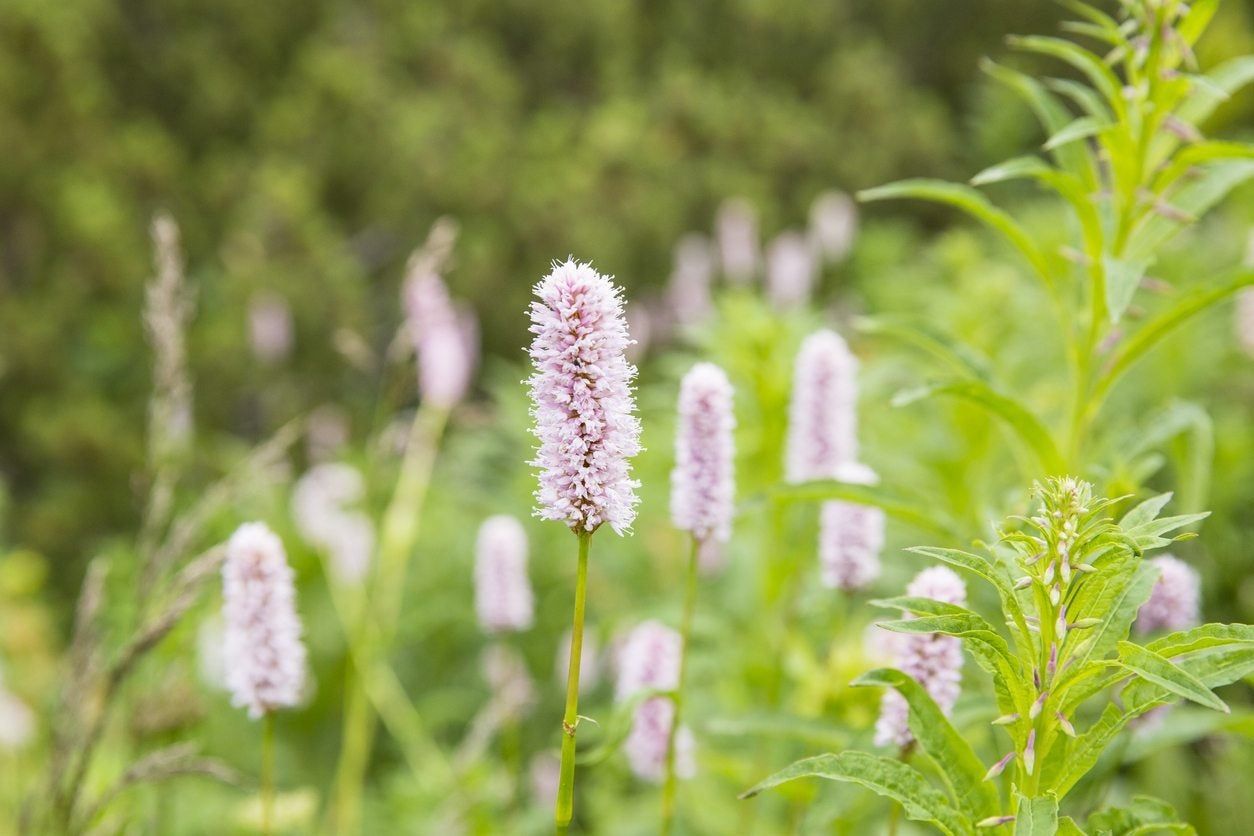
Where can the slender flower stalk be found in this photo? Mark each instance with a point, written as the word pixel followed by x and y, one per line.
pixel 264 654
pixel 651 660
pixel 584 420
pixel 702 496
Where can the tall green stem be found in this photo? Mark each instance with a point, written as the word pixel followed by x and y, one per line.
pixel 267 773
pixel 685 631
pixel 377 618
pixel 566 784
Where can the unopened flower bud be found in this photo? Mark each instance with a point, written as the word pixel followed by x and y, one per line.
pixel 999 767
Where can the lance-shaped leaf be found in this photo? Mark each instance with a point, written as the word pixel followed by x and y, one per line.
pixel 1114 595
pixel 1163 672
pixel 899 508
pixel 1191 201
pixel 1201 638
pixel 1098 73
pixel 1143 816
pixel 1052 115
pixel 961 357
pixel 1157 328
pixel 1068 827
pixel 958 765
pixel 1215 88
pixel 984 568
pixel 1036 816
pixel 1082 128
pixel 919 800
pixel 974 204
pixel 1017 168
pixel 987 647
pixel 1029 429
pixel 1123 277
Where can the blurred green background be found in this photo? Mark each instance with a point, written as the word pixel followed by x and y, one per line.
pixel 306 147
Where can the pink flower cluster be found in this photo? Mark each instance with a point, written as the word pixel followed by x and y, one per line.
pixel 851 536
pixel 703 480
pixel 1174 601
pixel 322 503
pixel 263 652
pixel 822 421
pixel 650 660
pixel 445 338
pixel 932 659
pixel 582 400
pixel 503 597
pixel 790 270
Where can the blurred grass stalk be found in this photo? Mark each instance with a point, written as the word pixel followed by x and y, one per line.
pixel 370 625
pixel 685 633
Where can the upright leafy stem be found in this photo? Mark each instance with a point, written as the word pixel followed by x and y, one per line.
pixel 1127 156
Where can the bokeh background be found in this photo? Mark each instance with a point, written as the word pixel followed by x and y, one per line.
pixel 305 149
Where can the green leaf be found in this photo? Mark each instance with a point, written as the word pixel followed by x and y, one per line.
pixel 1123 277
pixel 973 203
pixel 1017 168
pixel 1050 113
pixel 1145 511
pixel 1219 84
pixel 1098 73
pixel 984 568
pixel 826 490
pixel 1036 816
pixel 1213 667
pixel 956 761
pixel 1156 329
pixel 1114 595
pixel 1163 672
pixel 1187 725
pixel 1025 425
pixel 1197 197
pixel 922 335
pixel 921 606
pixel 919 800
pixel 1082 128
pixel 1068 827
pixel 1143 816
pixel 1201 638
pixel 1193 24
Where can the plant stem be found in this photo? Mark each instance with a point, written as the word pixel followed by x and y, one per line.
pixel 685 632
pixel 267 772
pixel 566 784
pixel 377 617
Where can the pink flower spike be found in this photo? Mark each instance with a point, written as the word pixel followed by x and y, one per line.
pixel 851 536
pixel 650 661
pixel 932 659
pixel 263 652
pixel 822 421
pixel 503 598
pixel 1174 601
pixel 582 401
pixel 703 480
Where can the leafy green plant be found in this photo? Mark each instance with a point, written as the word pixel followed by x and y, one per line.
pixel 1126 156
pixel 1070 580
